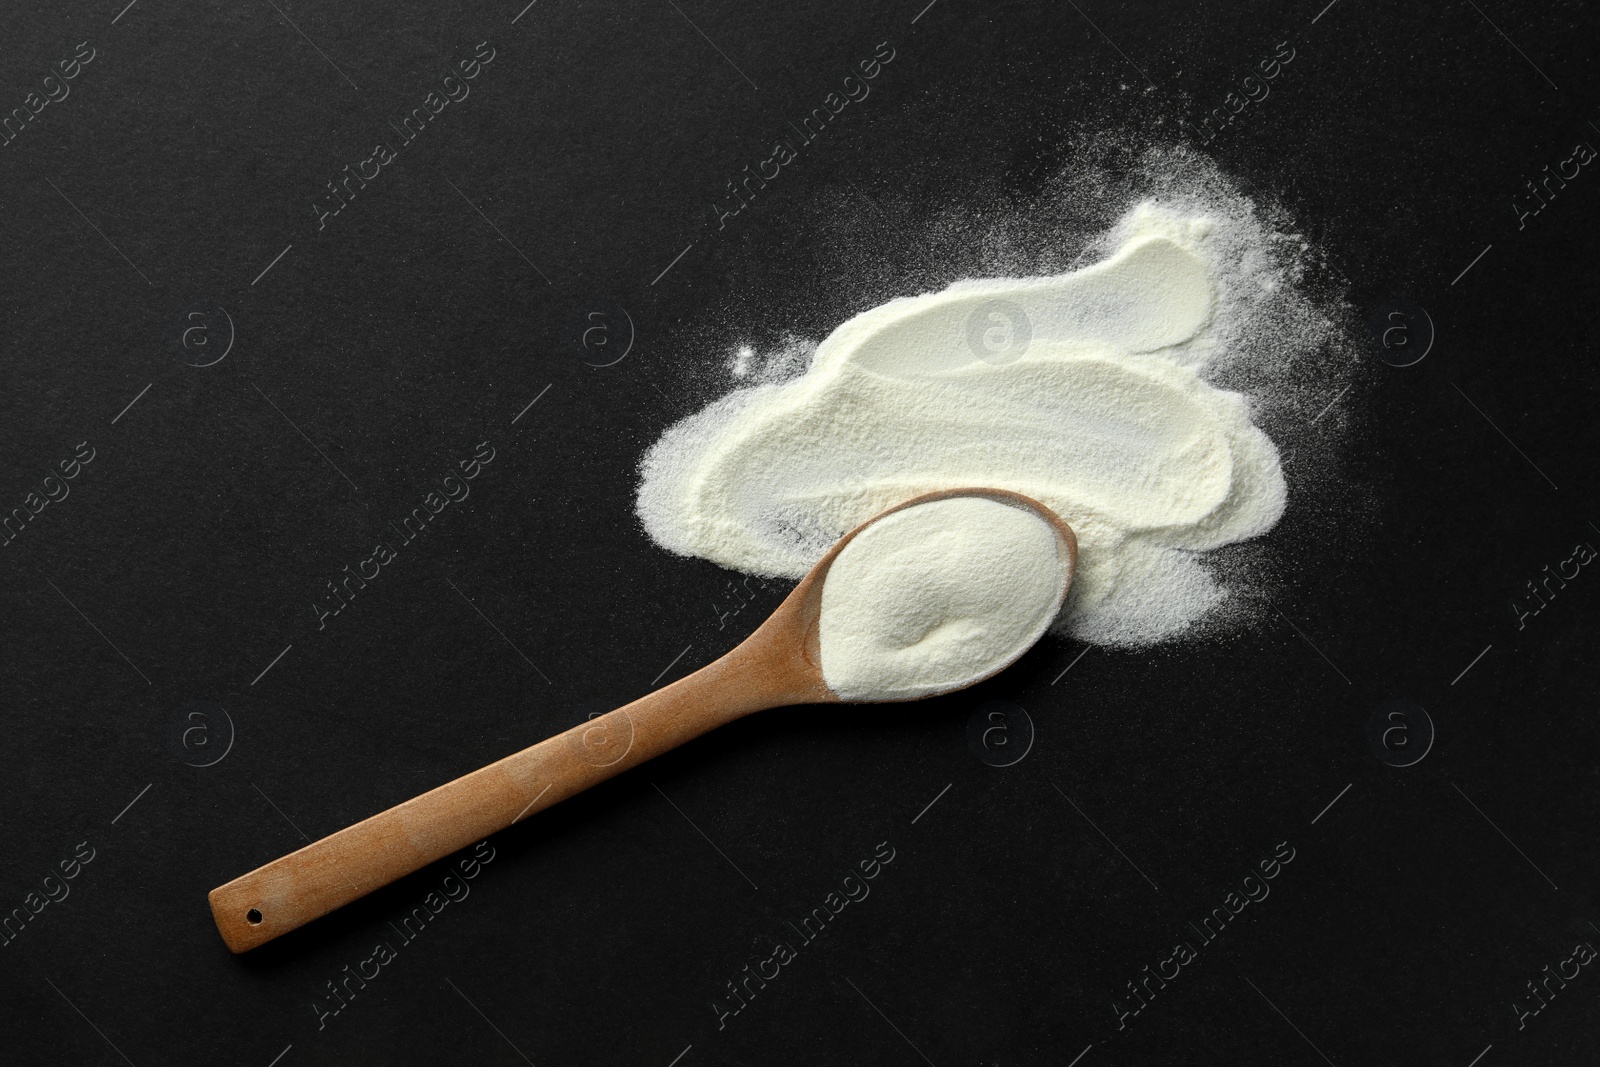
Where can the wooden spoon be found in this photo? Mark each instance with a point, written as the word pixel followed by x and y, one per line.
pixel 776 666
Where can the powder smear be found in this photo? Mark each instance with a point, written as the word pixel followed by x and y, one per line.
pixel 1096 391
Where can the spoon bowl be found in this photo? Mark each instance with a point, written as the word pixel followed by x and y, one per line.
pixel 778 665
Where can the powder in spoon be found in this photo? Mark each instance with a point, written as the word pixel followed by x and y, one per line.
pixel 936 597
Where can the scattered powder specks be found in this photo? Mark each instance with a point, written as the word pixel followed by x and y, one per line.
pixel 1131 389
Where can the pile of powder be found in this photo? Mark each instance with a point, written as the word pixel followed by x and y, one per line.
pixel 938 596
pixel 1085 390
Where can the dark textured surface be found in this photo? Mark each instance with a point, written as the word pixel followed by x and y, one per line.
pixel 421 320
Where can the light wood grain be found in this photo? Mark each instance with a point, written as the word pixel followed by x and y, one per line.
pixel 778 665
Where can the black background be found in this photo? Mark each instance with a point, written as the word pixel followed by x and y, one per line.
pixel 426 316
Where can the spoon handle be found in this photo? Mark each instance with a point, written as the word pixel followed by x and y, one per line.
pixel 327 874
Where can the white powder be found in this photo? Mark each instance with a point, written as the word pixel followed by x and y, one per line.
pixel 1087 390
pixel 936 597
